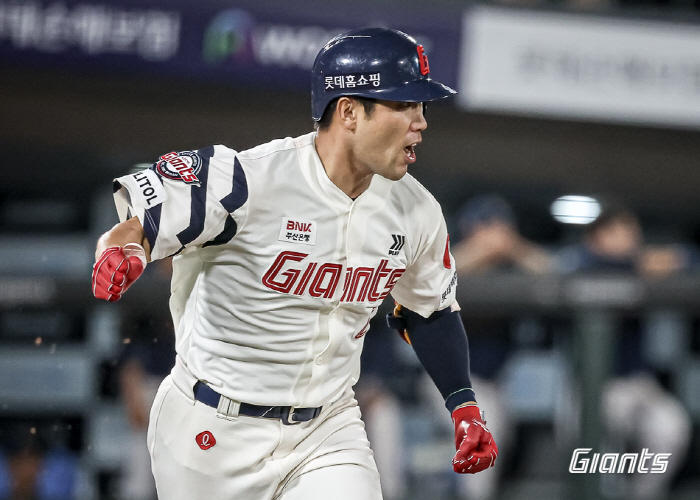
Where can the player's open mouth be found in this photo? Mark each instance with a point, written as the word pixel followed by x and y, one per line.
pixel 410 153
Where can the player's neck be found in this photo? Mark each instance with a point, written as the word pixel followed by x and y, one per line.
pixel 338 163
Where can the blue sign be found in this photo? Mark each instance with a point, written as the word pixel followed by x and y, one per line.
pixel 252 43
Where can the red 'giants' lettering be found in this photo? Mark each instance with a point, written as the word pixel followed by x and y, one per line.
pixel 271 280
pixel 186 171
pixel 321 280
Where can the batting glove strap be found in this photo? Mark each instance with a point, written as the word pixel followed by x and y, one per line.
pixel 476 448
pixel 135 250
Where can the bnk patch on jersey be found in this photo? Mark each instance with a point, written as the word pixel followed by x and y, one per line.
pixel 183 166
pixel 298 231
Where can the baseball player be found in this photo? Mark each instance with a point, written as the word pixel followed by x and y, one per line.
pixel 283 254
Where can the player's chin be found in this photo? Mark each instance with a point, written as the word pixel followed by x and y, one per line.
pixel 397 173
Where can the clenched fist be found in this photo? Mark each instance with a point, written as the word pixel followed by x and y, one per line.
pixel 476 448
pixel 116 270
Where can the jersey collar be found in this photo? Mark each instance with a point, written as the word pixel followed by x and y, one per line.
pixel 376 194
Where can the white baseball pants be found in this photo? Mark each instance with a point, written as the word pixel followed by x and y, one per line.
pixel 199 453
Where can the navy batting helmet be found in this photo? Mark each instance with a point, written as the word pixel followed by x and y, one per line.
pixel 377 63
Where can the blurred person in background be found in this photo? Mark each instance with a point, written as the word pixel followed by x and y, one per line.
pixel 491 240
pixel 637 409
pixel 33 468
pixel 614 242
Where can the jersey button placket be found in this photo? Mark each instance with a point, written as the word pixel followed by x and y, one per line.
pixel 348 241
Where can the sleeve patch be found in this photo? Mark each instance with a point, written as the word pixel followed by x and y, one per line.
pixel 183 166
pixel 147 190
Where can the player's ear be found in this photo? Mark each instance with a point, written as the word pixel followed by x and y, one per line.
pixel 346 112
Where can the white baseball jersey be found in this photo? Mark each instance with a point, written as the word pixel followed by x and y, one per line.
pixel 277 271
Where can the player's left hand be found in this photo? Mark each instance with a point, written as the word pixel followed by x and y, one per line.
pixel 476 448
pixel 116 270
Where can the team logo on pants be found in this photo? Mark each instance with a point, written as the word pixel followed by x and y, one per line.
pixel 205 440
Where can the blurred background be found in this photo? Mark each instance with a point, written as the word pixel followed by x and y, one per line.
pixel 567 168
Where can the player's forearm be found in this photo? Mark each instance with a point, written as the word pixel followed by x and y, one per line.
pixel 129 231
pixel 441 345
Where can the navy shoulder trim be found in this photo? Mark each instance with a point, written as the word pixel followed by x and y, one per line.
pixel 239 190
pixel 230 229
pixel 198 207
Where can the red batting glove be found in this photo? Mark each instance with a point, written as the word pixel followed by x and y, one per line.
pixel 476 449
pixel 114 272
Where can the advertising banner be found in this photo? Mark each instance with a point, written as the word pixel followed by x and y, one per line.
pixel 269 43
pixel 579 66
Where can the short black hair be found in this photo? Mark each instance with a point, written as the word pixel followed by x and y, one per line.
pixel 327 117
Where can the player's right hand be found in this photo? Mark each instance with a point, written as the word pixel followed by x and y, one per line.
pixel 114 273
pixel 476 448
